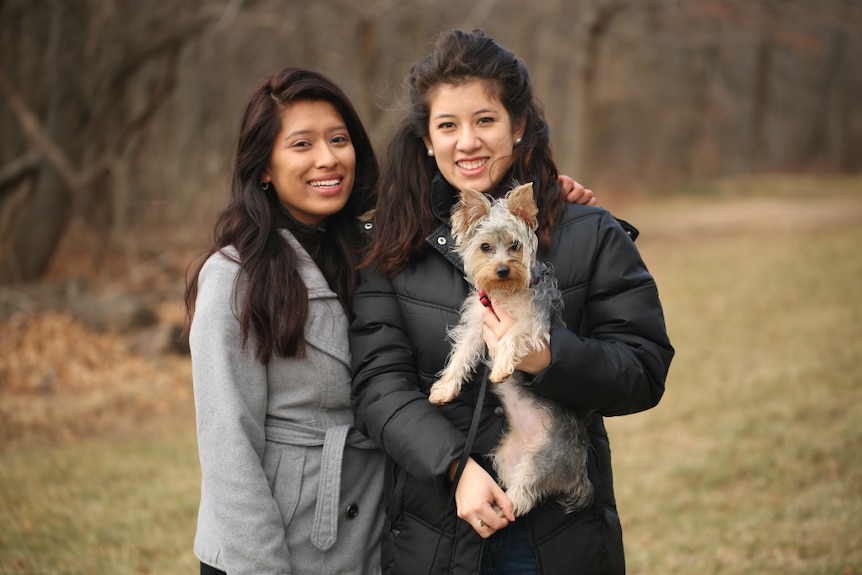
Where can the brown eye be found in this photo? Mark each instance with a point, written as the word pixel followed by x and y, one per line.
pixel 486 247
pixel 516 246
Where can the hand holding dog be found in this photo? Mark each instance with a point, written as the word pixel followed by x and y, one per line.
pixel 497 323
pixel 480 501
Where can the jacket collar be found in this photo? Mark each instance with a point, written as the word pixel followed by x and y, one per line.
pixel 443 198
pixel 314 280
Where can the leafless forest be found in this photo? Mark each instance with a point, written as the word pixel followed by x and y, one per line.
pixel 117 116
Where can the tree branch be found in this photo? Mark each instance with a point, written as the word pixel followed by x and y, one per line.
pixel 19 168
pixel 39 138
pixel 76 180
pixel 158 96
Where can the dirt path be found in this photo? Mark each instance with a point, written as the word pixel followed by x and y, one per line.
pixel 676 219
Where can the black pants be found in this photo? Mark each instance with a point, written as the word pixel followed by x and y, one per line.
pixel 207 570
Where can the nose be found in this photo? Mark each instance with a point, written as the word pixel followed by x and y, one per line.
pixel 467 139
pixel 325 157
pixel 502 272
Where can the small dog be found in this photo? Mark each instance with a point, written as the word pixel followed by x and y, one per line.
pixel 544 449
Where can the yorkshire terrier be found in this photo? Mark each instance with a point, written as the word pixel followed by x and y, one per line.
pixel 543 451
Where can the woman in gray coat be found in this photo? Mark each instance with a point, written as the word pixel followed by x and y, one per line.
pixel 288 485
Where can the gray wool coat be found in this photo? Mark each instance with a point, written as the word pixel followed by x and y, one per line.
pixel 288 485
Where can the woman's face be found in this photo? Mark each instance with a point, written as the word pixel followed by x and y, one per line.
pixel 312 164
pixel 471 135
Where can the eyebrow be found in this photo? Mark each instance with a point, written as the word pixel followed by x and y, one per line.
pixel 337 128
pixel 476 113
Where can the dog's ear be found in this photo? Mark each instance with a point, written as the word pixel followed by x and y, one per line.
pixel 522 205
pixel 472 207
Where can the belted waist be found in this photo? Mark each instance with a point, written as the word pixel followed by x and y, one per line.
pixel 290 433
pixel 333 440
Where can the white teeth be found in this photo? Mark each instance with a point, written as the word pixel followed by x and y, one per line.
pixel 471 165
pixel 325 183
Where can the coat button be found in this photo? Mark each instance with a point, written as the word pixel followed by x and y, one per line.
pixel 498 411
pixel 352 511
pixel 441 240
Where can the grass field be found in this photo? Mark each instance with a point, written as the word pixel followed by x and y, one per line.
pixel 100 507
pixel 752 463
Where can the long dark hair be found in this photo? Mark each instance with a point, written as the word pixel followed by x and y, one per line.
pixel 274 307
pixel 403 217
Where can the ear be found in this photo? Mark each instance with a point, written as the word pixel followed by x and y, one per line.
pixel 472 207
pixel 427 141
pixel 520 128
pixel 522 205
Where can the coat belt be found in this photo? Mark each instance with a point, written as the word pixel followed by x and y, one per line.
pixel 333 439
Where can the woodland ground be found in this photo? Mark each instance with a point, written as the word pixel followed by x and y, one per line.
pixel 752 463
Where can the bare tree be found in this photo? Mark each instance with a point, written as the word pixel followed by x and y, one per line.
pixel 92 114
pixel 122 113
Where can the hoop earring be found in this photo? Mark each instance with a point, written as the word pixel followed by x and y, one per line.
pixel 264 186
pixel 430 153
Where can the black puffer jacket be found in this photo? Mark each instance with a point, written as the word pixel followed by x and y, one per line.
pixel 612 359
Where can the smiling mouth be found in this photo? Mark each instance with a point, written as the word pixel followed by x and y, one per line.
pixel 325 184
pixel 471 164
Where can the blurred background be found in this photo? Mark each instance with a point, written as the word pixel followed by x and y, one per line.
pixel 119 114
pixel 728 131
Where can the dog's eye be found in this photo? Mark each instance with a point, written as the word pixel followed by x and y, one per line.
pixel 516 246
pixel 486 247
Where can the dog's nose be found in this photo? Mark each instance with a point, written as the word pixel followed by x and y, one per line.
pixel 503 272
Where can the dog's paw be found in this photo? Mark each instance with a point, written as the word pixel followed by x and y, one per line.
pixel 442 393
pixel 522 502
pixel 499 375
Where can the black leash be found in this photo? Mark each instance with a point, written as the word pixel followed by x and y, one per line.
pixel 468 447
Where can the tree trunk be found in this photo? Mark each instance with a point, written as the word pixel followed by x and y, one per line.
pixel 43 223
pixel 589 49
pixel 826 128
pixel 762 74
pixel 367 56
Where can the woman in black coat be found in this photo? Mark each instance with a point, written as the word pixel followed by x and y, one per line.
pixel 473 122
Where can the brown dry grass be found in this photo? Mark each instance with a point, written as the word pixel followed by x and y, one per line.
pixel 61 381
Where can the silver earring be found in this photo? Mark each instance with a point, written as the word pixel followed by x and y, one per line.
pixel 430 153
pixel 264 186
pixel 518 141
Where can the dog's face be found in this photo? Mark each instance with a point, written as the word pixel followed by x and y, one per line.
pixel 497 240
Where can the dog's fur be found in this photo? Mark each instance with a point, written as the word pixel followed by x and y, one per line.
pixel 544 449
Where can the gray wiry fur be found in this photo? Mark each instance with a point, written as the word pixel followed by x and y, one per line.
pixel 544 448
